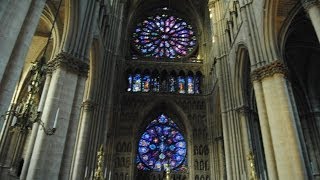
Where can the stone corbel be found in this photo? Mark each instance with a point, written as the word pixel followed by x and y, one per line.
pixel 69 62
pixel 276 67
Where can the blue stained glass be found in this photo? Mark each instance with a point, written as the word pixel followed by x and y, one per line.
pixel 143 149
pixel 190 85
pixel 160 144
pixel 164 31
pixel 181 85
pixel 129 83
pixel 136 83
pixel 146 83
pixel 155 84
pixel 152 147
pixel 143 142
pixel 172 84
pixel 197 85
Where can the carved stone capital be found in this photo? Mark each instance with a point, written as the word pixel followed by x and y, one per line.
pixel 276 67
pixel 69 62
pixel 88 105
pixel 243 110
pixel 211 4
pixel 307 4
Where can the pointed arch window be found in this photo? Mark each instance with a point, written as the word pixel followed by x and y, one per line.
pixel 172 83
pixel 162 144
pixel 146 82
pixel 181 85
pixel 190 84
pixel 129 83
pixel 136 83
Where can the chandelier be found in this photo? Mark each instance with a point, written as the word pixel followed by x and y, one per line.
pixel 24 114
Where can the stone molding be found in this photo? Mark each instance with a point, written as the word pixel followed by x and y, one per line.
pixel 69 62
pixel 88 105
pixel 307 4
pixel 276 67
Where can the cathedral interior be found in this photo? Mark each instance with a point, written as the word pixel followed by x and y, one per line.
pixel 160 89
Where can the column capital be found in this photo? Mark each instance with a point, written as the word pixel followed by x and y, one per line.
pixel 69 62
pixel 307 4
pixel 243 110
pixel 275 67
pixel 88 105
pixel 211 4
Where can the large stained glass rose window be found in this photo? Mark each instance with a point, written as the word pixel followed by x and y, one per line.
pixel 161 146
pixel 164 36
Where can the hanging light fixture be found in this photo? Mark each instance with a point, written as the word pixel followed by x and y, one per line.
pixel 23 115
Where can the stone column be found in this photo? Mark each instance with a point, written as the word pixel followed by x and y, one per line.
pixel 312 7
pixel 15 37
pixel 65 86
pixel 35 129
pixel 244 115
pixel 272 92
pixel 81 149
pixel 265 130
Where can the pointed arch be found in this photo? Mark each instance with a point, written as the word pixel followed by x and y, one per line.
pixel 241 77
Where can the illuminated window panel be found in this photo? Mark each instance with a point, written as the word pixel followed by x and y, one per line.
pixel 190 85
pixel 181 85
pixel 136 83
pixel 164 36
pixel 161 146
pixel 129 83
pixel 146 83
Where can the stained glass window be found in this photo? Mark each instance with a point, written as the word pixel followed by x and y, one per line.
pixel 181 85
pixel 146 83
pixel 164 36
pixel 155 84
pixel 172 84
pixel 197 84
pixel 160 145
pixel 129 82
pixel 136 83
pixel 190 85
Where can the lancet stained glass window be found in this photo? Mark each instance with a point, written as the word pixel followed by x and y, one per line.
pixel 129 82
pixel 162 144
pixel 169 83
pixel 181 85
pixel 136 84
pixel 146 83
pixel 190 85
pixel 164 36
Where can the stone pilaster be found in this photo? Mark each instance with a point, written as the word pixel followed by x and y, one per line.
pixel 280 136
pixel 312 7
